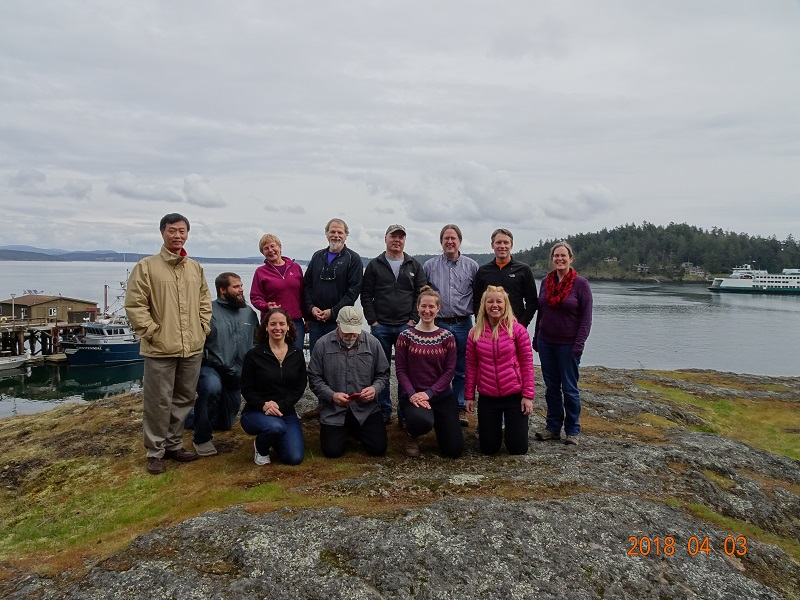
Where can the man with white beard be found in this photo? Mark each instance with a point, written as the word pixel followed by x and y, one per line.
pixel 332 280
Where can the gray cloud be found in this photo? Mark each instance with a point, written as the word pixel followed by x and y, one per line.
pixel 199 192
pixel 483 114
pixel 129 186
pixel 590 202
pixel 32 182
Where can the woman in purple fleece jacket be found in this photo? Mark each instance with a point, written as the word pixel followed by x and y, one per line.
pixel 500 365
pixel 563 322
pixel 278 283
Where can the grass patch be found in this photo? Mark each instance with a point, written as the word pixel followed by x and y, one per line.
pixel 750 531
pixel 724 380
pixel 765 424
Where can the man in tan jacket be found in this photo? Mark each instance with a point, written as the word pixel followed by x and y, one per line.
pixel 169 305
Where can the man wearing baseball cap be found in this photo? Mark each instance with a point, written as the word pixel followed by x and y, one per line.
pixel 392 281
pixel 347 372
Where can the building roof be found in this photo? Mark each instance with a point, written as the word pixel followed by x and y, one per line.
pixel 35 299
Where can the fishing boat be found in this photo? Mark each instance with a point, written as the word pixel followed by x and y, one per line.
pixel 101 344
pixel 747 280
pixel 13 362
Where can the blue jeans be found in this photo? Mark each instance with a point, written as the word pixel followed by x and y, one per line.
pixel 316 329
pixel 284 434
pixel 560 374
pixel 216 406
pixel 387 336
pixel 300 325
pixel 461 332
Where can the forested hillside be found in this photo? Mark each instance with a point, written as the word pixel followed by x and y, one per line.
pixel 664 249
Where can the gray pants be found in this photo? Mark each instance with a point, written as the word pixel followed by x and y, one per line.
pixel 168 390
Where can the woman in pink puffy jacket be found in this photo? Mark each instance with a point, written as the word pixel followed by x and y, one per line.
pixel 500 365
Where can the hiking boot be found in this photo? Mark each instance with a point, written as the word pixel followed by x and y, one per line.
pixel 260 459
pixel 572 440
pixel 181 455
pixel 462 418
pixel 311 413
pixel 412 447
pixel 387 420
pixel 205 449
pixel 545 435
pixel 155 466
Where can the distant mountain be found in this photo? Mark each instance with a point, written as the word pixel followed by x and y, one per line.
pixel 49 251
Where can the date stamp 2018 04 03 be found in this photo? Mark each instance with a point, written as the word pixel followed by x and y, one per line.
pixel 695 545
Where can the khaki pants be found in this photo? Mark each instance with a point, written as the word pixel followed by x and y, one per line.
pixel 169 390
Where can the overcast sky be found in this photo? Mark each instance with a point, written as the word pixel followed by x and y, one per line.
pixel 253 117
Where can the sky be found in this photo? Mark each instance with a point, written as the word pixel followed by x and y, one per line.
pixel 255 117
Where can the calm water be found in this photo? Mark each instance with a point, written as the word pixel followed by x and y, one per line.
pixel 649 326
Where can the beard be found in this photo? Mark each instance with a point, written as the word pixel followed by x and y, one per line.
pixel 235 300
pixel 335 246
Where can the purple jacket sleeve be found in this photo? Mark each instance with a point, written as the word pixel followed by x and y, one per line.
pixel 257 296
pixel 443 382
pixel 585 303
pixel 401 367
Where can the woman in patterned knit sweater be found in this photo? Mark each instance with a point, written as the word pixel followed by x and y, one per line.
pixel 425 362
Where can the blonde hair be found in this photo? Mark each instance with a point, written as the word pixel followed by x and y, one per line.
pixel 506 320
pixel 268 238
pixel 427 290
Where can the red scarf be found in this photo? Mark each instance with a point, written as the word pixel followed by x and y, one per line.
pixel 557 291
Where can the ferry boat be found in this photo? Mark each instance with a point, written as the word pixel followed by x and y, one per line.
pixel 747 280
pixel 100 344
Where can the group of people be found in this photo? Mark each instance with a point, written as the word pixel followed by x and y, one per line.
pixel 219 351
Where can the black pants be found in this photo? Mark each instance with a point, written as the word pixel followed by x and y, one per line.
pixel 442 417
pixel 372 435
pixel 491 412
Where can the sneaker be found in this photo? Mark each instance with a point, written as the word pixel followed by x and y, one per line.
pixel 181 455
pixel 260 459
pixel 546 435
pixel 205 449
pixel 572 440
pixel 462 418
pixel 155 466
pixel 311 413
pixel 412 447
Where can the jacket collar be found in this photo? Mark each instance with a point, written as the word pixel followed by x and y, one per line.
pixel 171 259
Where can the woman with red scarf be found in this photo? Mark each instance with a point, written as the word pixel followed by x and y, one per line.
pixel 563 322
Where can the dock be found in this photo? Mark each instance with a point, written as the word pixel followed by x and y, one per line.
pixel 41 337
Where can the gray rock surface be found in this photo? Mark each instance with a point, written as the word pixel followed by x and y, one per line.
pixel 555 523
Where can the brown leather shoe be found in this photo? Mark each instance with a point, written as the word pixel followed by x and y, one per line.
pixel 412 446
pixel 155 466
pixel 181 455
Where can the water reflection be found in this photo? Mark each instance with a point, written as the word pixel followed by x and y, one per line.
pixel 34 389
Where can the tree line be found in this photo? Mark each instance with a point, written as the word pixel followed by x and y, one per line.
pixel 622 252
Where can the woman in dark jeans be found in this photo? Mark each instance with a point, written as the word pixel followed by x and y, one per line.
pixel 563 322
pixel 273 380
pixel 425 362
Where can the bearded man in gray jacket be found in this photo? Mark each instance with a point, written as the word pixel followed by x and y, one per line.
pixel 219 393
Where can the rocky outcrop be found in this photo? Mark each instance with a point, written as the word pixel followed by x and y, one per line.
pixel 627 514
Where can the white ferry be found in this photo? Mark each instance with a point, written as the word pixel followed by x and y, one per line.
pixel 747 280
